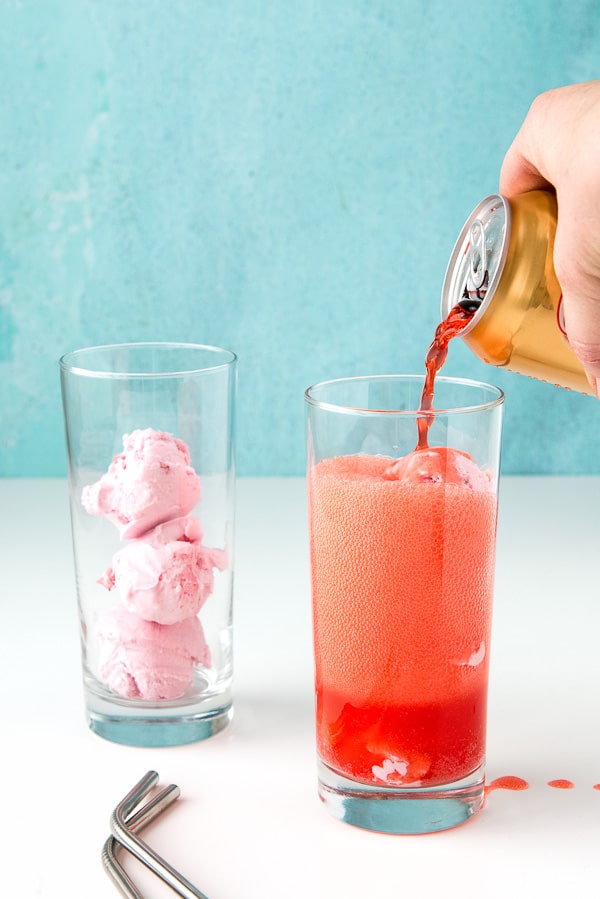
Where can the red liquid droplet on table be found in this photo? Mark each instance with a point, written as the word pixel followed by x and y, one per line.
pixel 561 784
pixel 509 782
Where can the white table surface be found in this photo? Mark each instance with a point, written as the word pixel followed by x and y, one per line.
pixel 249 823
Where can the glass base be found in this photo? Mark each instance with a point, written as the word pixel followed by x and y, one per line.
pixel 411 810
pixel 153 731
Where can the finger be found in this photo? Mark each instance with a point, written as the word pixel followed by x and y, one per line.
pixel 585 346
pixel 577 265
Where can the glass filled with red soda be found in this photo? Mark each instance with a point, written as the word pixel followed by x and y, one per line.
pixel 402 513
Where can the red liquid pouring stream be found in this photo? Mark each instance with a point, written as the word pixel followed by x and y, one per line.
pixel 455 322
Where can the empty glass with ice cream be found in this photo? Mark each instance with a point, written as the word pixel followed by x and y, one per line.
pixel 402 509
pixel 149 431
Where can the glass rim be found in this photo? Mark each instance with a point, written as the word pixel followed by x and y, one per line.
pixel 497 396
pixel 68 361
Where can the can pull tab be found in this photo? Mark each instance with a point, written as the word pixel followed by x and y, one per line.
pixel 477 256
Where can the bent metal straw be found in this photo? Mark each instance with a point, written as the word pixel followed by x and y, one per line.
pixel 120 829
pixel 137 822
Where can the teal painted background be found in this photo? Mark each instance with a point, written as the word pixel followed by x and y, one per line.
pixel 283 178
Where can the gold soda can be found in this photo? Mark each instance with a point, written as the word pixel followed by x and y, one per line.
pixel 502 264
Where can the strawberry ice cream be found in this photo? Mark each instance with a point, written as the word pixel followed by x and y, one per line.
pixel 145 660
pixel 166 575
pixel 440 464
pixel 148 646
pixel 150 482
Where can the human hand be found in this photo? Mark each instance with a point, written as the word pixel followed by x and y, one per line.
pixel 558 147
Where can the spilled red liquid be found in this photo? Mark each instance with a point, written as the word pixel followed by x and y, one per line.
pixel 455 322
pixel 508 782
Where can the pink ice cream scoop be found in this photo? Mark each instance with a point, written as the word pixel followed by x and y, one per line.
pixel 150 482
pixel 166 575
pixel 440 464
pixel 144 660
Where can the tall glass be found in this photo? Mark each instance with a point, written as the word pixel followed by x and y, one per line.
pixel 149 431
pixel 402 546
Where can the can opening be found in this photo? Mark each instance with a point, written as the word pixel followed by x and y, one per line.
pixel 470 304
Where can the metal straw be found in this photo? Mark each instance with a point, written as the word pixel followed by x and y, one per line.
pixel 137 822
pixel 141 850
